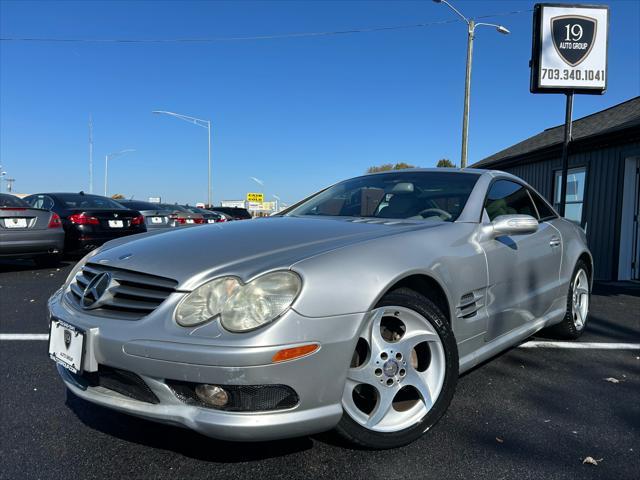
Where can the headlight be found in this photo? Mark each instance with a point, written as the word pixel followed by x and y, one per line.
pixel 206 301
pixel 240 307
pixel 78 266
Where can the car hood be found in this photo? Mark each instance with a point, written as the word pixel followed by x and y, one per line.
pixel 244 249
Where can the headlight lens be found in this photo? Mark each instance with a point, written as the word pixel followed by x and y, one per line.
pixel 206 301
pixel 260 301
pixel 240 307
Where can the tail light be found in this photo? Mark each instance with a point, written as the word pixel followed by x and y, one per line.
pixel 221 219
pixel 199 220
pixel 54 221
pixel 139 220
pixel 177 219
pixel 82 219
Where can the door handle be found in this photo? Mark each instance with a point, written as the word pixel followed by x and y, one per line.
pixel 554 242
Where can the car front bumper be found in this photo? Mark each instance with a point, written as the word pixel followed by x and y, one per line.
pixel 209 355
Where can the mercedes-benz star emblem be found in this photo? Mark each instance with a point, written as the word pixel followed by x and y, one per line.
pixel 95 290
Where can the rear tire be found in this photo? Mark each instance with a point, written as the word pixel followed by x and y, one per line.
pixel 48 261
pixel 401 383
pixel 578 302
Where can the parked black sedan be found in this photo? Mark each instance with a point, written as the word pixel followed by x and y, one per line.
pixel 27 232
pixel 89 220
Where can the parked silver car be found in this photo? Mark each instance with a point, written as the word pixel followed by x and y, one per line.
pixel 355 309
pixel 155 216
pixel 29 233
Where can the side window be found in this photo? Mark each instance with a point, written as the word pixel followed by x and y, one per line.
pixel 508 198
pixel 544 210
pixel 40 201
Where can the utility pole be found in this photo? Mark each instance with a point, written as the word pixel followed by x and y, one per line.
pixel 90 154
pixel 10 184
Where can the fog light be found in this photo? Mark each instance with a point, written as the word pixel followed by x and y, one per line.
pixel 212 395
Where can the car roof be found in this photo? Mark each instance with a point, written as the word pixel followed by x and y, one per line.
pixel 54 194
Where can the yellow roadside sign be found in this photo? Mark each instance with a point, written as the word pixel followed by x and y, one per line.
pixel 255 197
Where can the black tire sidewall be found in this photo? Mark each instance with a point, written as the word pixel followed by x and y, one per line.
pixel 570 329
pixel 358 434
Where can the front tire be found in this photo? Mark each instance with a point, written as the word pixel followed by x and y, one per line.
pixel 578 302
pixel 403 373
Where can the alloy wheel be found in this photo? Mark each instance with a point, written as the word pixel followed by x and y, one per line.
pixel 580 299
pixel 397 371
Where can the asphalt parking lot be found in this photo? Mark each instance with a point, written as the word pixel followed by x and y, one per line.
pixel 529 413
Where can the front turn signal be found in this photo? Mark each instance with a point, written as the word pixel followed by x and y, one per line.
pixel 294 352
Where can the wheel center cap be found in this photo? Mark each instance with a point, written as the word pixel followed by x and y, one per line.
pixel 390 368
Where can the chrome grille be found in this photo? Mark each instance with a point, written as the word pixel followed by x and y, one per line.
pixel 131 296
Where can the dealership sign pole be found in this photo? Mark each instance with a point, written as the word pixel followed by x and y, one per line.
pixel 569 55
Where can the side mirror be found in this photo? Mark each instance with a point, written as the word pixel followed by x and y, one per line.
pixel 512 225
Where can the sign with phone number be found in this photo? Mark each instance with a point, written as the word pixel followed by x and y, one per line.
pixel 569 49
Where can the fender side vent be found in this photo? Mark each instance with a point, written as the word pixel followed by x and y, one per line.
pixel 469 304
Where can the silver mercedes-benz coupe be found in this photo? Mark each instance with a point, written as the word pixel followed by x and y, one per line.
pixel 355 309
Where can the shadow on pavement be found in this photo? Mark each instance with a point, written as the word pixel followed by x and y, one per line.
pixel 183 441
pixel 29 265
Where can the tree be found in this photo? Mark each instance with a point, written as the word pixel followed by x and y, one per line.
pixel 117 196
pixel 445 163
pixel 385 167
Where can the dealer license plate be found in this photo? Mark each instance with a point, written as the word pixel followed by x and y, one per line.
pixel 116 223
pixel 15 222
pixel 66 345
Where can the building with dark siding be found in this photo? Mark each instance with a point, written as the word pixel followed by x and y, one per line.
pixel 603 191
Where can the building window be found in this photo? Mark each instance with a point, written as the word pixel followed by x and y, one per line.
pixel 576 178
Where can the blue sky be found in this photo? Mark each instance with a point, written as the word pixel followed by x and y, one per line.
pixel 298 113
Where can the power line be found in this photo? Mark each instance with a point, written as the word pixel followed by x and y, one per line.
pixel 246 38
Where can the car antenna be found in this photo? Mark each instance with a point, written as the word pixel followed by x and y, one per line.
pixel 81 192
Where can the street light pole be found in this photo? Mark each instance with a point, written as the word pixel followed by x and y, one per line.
pixel 200 123
pixel 90 154
pixel 209 199
pixel 471 30
pixel 2 175
pixel 108 157
pixel 467 96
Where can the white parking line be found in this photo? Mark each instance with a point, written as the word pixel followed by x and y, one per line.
pixel 24 336
pixel 529 344
pixel 579 345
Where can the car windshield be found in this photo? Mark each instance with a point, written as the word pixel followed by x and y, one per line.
pixel 79 200
pixel 410 195
pixel 10 201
